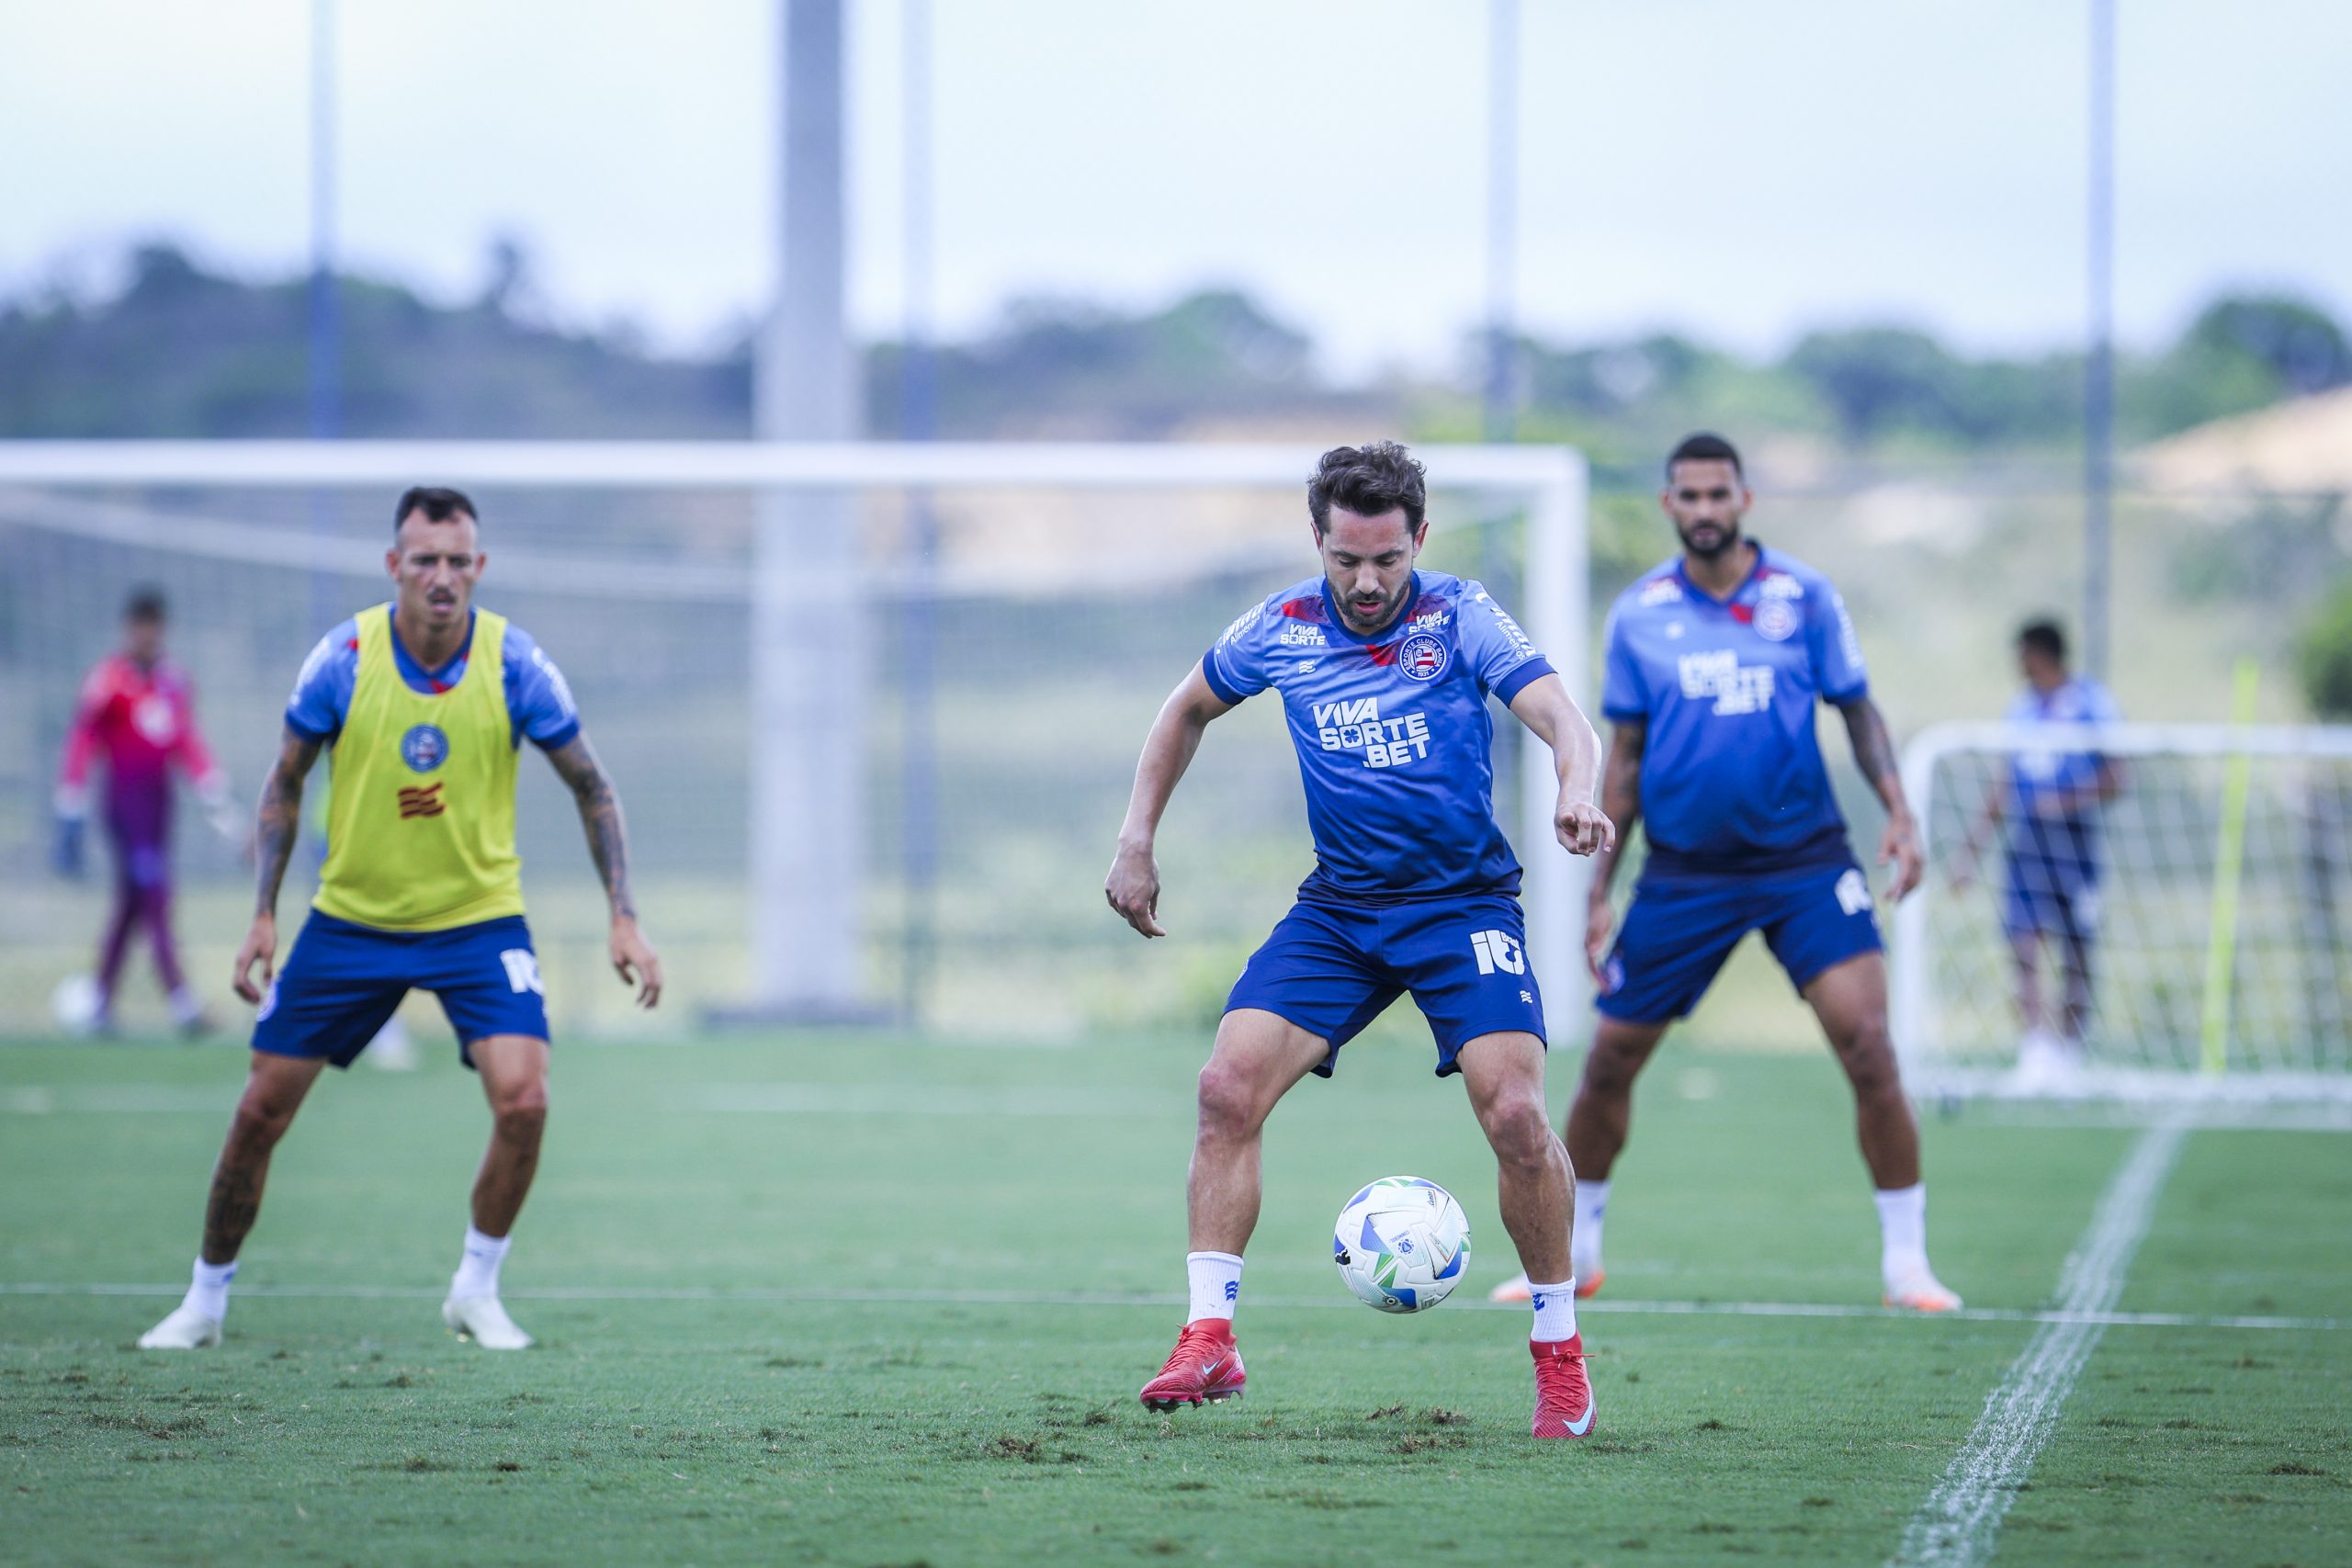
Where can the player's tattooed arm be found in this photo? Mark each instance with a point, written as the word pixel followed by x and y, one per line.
pixel 1874 754
pixel 633 957
pixel 277 827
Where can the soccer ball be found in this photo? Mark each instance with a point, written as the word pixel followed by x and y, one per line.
pixel 1402 1243
pixel 75 1005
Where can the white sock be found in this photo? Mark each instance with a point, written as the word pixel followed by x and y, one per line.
pixel 1583 1244
pixel 207 1292
pixel 1216 1279
pixel 187 1007
pixel 1903 1230
pixel 1555 1312
pixel 478 1269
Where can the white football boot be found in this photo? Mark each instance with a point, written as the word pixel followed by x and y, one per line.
pixel 483 1321
pixel 1918 1290
pixel 184 1329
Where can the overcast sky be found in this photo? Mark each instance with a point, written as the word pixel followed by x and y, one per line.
pixel 1740 169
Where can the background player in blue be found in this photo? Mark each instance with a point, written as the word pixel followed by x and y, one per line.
pixel 1715 660
pixel 1384 672
pixel 2050 872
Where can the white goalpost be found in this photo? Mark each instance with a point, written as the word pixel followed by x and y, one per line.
pixel 2216 925
pixel 844 649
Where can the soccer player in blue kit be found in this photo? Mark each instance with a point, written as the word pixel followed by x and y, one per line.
pixel 2051 887
pixel 1715 660
pixel 1384 672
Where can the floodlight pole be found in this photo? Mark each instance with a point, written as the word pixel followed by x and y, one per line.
pixel 808 631
pixel 919 421
pixel 2098 370
pixel 323 405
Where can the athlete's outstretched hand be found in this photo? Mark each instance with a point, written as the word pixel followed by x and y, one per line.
pixel 1900 849
pixel 635 961
pixel 1584 828
pixel 1600 925
pixel 259 946
pixel 1133 888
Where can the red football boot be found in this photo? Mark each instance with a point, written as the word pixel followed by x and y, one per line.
pixel 1563 1393
pixel 1204 1365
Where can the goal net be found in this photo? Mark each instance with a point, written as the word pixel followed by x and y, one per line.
pixel 2199 913
pixel 873 709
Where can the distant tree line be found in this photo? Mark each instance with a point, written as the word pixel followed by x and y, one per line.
pixel 183 351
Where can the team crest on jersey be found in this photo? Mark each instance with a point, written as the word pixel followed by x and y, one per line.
pixel 425 748
pixel 1422 656
pixel 1776 619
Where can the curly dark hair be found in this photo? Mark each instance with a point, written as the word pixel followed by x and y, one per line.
pixel 1368 481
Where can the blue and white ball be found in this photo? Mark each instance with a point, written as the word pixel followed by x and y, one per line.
pixel 1402 1243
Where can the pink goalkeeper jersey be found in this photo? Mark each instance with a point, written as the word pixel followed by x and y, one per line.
pixel 142 721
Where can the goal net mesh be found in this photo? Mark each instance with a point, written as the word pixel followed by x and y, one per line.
pixel 2209 901
pixel 1014 646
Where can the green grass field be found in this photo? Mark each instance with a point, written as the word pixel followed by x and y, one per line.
pixel 863 1299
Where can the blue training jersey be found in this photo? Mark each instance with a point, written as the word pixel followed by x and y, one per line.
pixel 2039 772
pixel 1394 740
pixel 539 700
pixel 1732 777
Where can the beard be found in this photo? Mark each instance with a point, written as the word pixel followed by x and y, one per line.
pixel 1357 621
pixel 1727 537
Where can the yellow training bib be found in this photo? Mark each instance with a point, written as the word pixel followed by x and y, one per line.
pixel 420 821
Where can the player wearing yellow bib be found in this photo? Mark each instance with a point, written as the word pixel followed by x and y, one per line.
pixel 426 703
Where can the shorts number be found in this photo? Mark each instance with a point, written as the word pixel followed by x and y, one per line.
pixel 1854 893
pixel 1497 950
pixel 522 970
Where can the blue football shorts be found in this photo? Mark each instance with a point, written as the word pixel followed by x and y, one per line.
pixel 343 981
pixel 1332 969
pixel 2052 894
pixel 1680 929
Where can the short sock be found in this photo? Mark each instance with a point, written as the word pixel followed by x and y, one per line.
pixel 1215 1281
pixel 187 1006
pixel 1903 1229
pixel 478 1269
pixel 1556 1311
pixel 207 1291
pixel 1591 1205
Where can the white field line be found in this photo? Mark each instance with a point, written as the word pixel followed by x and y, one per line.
pixel 1157 1300
pixel 1956 1526
pixel 1059 1101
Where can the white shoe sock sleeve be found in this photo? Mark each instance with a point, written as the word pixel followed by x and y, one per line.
pixel 1215 1281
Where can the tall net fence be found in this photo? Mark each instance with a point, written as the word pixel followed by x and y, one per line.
pixel 1015 648
pixel 2203 912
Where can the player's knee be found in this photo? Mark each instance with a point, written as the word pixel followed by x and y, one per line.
pixel 1868 1056
pixel 260 1121
pixel 1518 1128
pixel 1611 1066
pixel 1229 1100
pixel 521 1109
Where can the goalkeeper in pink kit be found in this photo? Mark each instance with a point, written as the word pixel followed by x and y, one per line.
pixel 138 712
